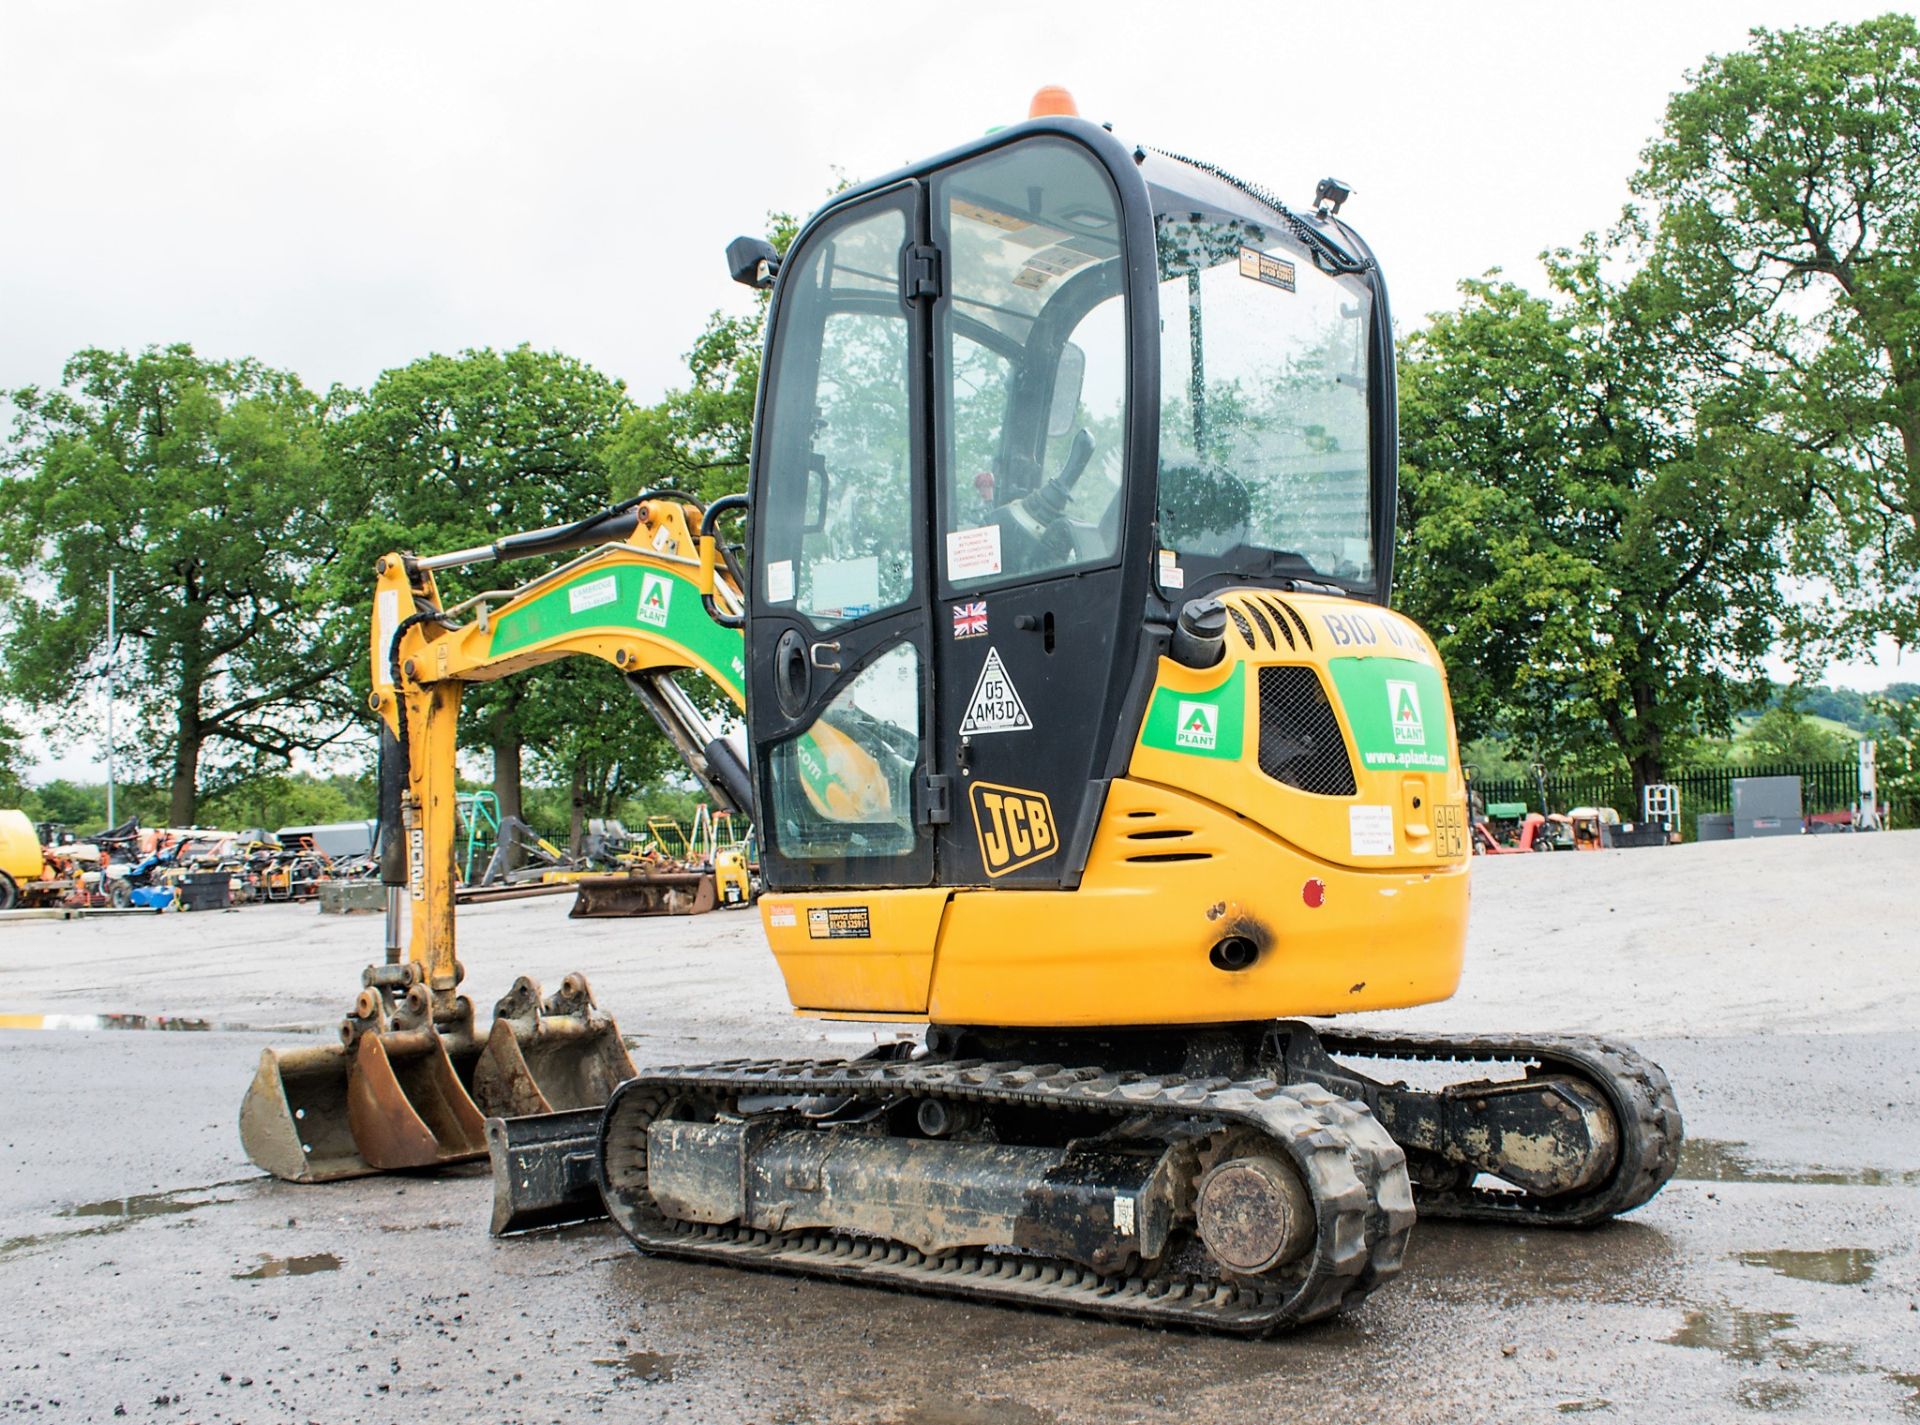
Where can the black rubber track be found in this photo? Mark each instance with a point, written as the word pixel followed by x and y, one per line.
pixel 1635 1087
pixel 1354 1171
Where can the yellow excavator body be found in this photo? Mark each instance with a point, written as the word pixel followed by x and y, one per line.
pixel 1338 903
pixel 1077 729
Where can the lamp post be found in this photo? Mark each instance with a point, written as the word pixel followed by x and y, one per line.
pixel 111 822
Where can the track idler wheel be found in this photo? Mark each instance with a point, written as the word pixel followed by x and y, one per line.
pixel 1254 1214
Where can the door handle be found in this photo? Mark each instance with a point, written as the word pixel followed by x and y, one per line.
pixel 814 654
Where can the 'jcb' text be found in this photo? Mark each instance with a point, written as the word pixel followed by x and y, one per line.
pixel 1015 827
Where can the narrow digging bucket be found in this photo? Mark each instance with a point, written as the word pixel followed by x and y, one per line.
pixel 655 893
pixel 405 1103
pixel 549 1057
pixel 293 1121
pixel 544 1171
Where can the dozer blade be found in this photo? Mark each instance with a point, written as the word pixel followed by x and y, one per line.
pixel 654 893
pixel 543 1170
pixel 542 1058
pixel 405 1103
pixel 293 1121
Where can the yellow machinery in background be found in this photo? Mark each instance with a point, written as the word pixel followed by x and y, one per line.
pixel 1080 733
pixel 20 856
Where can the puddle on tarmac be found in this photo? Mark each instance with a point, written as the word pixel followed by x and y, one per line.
pixel 1736 1334
pixel 1712 1160
pixel 976 1412
pixel 290 1267
pixel 152 1204
pixel 114 1213
pixel 1837 1266
pixel 650 1366
pixel 1760 1338
pixel 982 1412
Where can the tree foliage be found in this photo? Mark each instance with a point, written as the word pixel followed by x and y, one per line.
pixel 698 438
pixel 1595 567
pixel 1786 255
pixel 460 450
pixel 202 486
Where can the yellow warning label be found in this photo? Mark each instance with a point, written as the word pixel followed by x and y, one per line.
pixel 1270 270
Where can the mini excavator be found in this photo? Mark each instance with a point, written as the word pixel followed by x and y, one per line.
pixel 1080 733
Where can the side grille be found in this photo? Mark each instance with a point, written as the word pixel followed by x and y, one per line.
pixel 1276 619
pixel 1300 741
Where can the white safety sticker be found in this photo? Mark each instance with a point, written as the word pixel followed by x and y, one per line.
pixel 780 913
pixel 656 597
pixel 663 540
pixel 973 553
pixel 1172 576
pixel 779 581
pixel 1123 1214
pixel 995 705
pixel 386 618
pixel 593 593
pixel 1370 830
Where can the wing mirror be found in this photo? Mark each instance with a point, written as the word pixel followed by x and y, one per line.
pixel 753 262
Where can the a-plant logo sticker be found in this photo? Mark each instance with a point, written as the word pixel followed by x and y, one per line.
pixel 656 597
pixel 1403 706
pixel 1015 826
pixel 1198 726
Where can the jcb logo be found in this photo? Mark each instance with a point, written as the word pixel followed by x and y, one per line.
pixel 1015 826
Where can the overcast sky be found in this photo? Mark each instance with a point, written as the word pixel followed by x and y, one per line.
pixel 340 188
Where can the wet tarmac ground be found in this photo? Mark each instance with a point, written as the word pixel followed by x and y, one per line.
pixel 148 1272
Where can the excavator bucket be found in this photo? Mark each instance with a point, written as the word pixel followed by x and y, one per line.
pixel 293 1121
pixel 546 1057
pixel 406 1106
pixel 543 1170
pixel 649 893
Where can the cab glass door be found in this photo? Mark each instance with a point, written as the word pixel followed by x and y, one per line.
pixel 838 623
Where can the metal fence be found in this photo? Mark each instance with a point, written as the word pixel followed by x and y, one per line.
pixel 1824 786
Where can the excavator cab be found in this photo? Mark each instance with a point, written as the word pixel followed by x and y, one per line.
pixel 1034 415
pixel 1016 399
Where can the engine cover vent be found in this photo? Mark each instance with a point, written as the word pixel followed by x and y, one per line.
pixel 1300 741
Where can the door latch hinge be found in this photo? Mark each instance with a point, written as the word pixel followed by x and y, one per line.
pixel 923 272
pixel 936 807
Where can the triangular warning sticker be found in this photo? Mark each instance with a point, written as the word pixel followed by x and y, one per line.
pixel 995 705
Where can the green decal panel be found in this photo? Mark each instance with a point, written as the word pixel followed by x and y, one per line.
pixel 1211 724
pixel 626 597
pixel 1397 709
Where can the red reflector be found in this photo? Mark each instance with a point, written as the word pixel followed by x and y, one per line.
pixel 1314 893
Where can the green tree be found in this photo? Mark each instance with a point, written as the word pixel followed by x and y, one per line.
pixel 1897 754
pixel 698 438
pixel 1785 734
pixel 459 451
pixel 595 742
pixel 204 487
pixel 1785 189
pixel 1591 563
pixel 13 789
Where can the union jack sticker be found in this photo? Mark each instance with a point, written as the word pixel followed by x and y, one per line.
pixel 970 620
